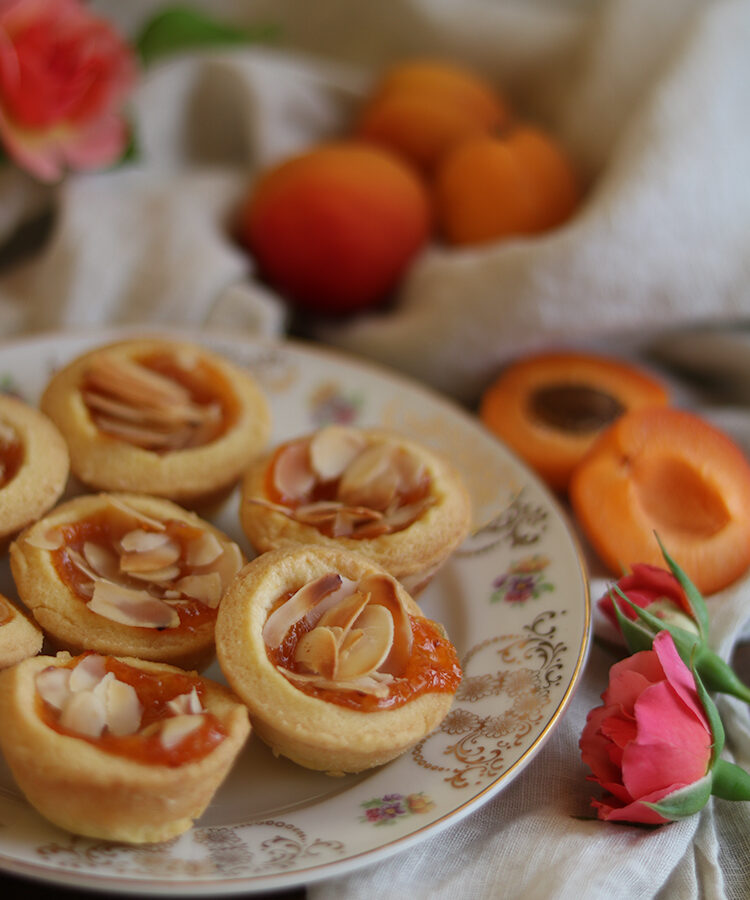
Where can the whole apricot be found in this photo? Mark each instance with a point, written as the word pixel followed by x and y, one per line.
pixel 335 228
pixel 491 187
pixel 422 108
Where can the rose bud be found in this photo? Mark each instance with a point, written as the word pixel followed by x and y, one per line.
pixel 654 744
pixel 650 600
pixel 64 75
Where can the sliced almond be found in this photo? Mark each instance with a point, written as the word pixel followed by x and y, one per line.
pixel 123 708
pixel 345 613
pixel 206 588
pixel 228 564
pixel 52 685
pixel 50 539
pixel 292 476
pixel 367 684
pixel 411 469
pixel 158 556
pixel 383 592
pixel 297 606
pixel 365 655
pixel 317 651
pixel 203 550
pixel 370 480
pixel 101 559
pixel 175 729
pixel 134 384
pixel 87 673
pixel 84 713
pixel 141 541
pixel 333 449
pixel 136 514
pixel 187 704
pixel 131 607
pixel 157 576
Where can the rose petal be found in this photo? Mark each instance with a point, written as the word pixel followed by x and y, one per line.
pixel 678 675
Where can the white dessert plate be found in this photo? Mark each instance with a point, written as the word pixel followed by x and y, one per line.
pixel 514 599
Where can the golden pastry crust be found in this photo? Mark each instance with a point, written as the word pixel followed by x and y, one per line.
pixel 19 636
pixel 313 732
pixel 193 474
pixel 412 554
pixel 43 465
pixel 86 790
pixel 65 617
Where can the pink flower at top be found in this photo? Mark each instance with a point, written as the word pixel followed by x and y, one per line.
pixel 64 76
pixel 650 738
pixel 654 589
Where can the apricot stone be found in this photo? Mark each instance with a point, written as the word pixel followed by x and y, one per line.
pixel 492 187
pixel 335 228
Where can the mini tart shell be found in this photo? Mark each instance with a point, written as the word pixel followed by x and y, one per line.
pixel 88 791
pixel 193 476
pixel 413 555
pixel 43 473
pixel 64 616
pixel 19 636
pixel 310 731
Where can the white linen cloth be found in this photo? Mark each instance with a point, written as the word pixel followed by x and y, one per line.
pixel 651 100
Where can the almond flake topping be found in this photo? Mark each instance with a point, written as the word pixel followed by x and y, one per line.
pixel 143 576
pixel 379 487
pixel 91 702
pixel 360 641
pixel 132 402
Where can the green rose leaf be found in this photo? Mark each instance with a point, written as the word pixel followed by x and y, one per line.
pixel 684 802
pixel 180 28
pixel 694 597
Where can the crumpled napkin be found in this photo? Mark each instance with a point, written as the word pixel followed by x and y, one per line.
pixel 649 98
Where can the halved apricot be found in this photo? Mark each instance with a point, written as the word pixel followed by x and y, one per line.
pixel 669 472
pixel 551 407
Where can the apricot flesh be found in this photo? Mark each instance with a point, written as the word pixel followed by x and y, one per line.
pixel 498 186
pixel 666 471
pixel 550 407
pixel 335 228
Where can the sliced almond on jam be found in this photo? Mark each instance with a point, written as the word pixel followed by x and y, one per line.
pixel 293 477
pixel 383 592
pixel 371 480
pixel 186 704
pixel 364 655
pixel 51 539
pixel 85 713
pixel 157 576
pixel 345 613
pixel 87 673
pixel 228 564
pixel 366 684
pixel 131 607
pixel 158 556
pixel 52 685
pixel 317 651
pixel 333 449
pixel 122 506
pixel 203 550
pixel 102 560
pixel 297 607
pixel 204 587
pixel 141 541
pixel 123 708
pixel 134 384
pixel 175 729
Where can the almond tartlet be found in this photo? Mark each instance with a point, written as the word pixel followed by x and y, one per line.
pixel 34 465
pixel 364 489
pixel 338 666
pixel 158 417
pixel 118 748
pixel 19 636
pixel 128 575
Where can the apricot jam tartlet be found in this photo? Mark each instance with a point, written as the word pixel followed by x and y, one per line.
pixel 34 465
pixel 369 490
pixel 126 574
pixel 337 664
pixel 158 417
pixel 117 748
pixel 19 636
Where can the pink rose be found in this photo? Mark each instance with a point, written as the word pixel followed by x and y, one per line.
pixel 64 74
pixel 652 588
pixel 651 737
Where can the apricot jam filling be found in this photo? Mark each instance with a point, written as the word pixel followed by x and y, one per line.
pixel 346 485
pixel 355 645
pixel 160 402
pixel 144 572
pixel 155 718
pixel 11 453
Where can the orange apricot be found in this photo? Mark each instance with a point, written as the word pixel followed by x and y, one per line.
pixel 492 187
pixel 335 228
pixel 421 108
pixel 669 472
pixel 550 407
